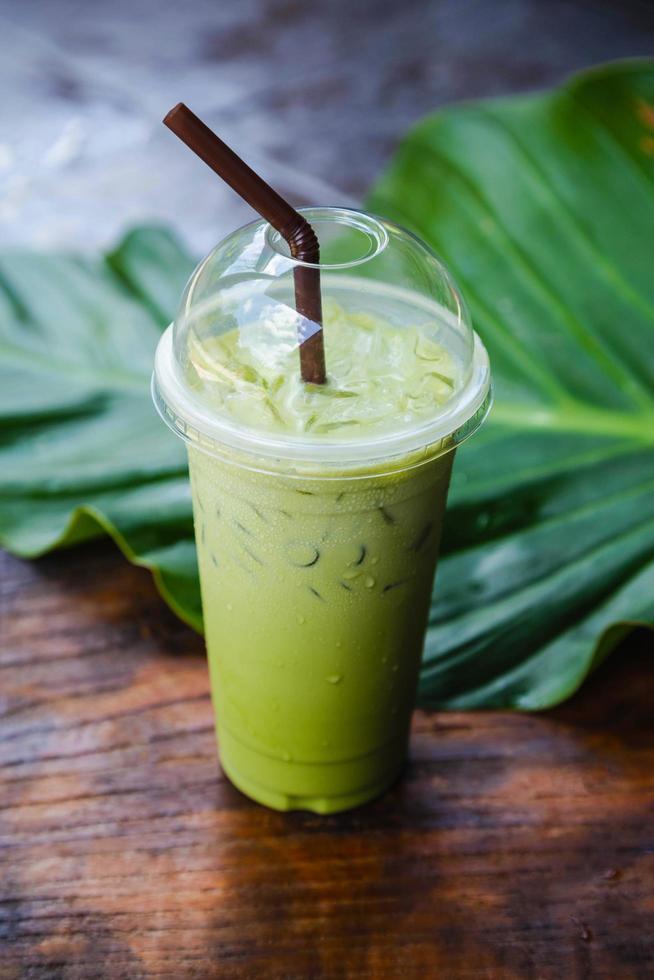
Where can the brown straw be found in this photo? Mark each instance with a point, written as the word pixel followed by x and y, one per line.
pixel 295 229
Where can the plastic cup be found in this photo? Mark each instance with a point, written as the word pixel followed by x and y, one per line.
pixel 317 552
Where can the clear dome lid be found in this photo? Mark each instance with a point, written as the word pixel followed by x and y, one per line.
pixel 406 373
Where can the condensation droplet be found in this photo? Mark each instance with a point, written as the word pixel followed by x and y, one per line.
pixel 370 582
pixel 374 560
pixel 335 678
pixel 396 667
pixel 229 606
pixel 300 619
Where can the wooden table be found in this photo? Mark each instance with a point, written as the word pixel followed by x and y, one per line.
pixel 515 846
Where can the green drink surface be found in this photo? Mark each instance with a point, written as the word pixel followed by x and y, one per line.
pixel 380 377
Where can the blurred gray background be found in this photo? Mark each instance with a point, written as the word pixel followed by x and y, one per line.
pixel 314 95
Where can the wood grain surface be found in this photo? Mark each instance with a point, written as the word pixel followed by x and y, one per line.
pixel 515 845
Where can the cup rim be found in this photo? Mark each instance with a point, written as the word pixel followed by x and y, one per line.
pixel 194 423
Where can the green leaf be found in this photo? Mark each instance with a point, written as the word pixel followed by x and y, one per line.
pixel 81 449
pixel 543 206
